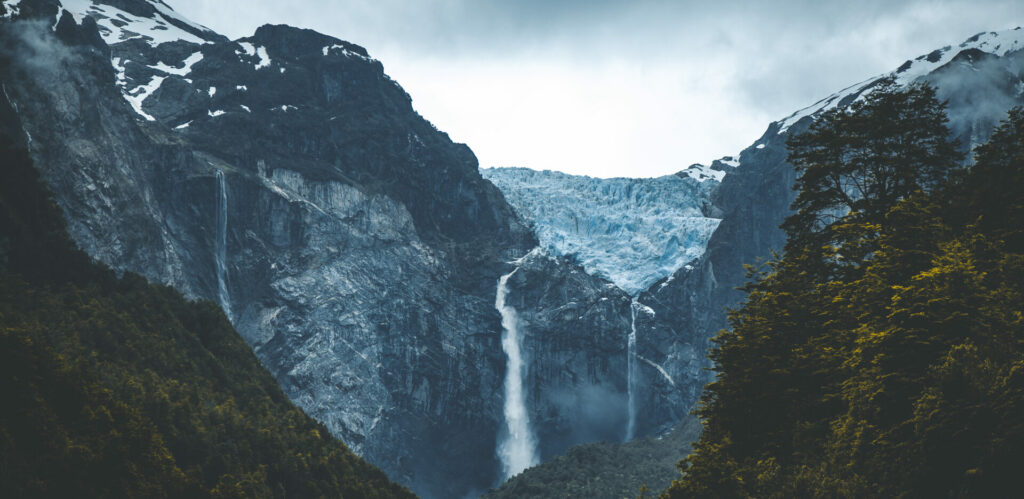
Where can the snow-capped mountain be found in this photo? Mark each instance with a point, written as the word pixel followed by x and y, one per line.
pixel 980 79
pixel 998 44
pixel 358 250
pixel 632 232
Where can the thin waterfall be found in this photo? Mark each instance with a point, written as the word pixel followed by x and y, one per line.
pixel 631 367
pixel 221 249
pixel 518 451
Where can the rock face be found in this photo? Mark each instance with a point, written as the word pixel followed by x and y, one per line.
pixel 981 79
pixel 353 245
pixel 576 328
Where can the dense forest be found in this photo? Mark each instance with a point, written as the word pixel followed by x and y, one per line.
pixel 113 387
pixel 882 353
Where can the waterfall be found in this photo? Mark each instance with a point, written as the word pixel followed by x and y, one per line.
pixel 631 366
pixel 519 449
pixel 221 245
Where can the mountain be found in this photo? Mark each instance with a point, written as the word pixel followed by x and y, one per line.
pixel 114 387
pixel 391 290
pixel 355 247
pixel 881 354
pixel 980 79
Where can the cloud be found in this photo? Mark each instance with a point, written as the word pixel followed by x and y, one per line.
pixel 620 88
pixel 36 47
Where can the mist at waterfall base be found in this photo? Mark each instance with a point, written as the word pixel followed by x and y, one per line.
pixel 601 415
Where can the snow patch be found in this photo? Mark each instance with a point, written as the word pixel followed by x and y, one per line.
pixel 701 173
pixel 248 49
pixel 673 277
pixel 12 9
pixel 335 48
pixel 116 25
pixel 56 18
pixel 732 161
pixel 186 65
pixel 169 13
pixel 997 43
pixel 214 114
pixel 139 94
pixel 264 58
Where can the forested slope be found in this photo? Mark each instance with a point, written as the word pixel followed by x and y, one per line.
pixel 113 387
pixel 882 354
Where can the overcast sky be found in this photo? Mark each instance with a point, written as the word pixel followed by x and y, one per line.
pixel 619 88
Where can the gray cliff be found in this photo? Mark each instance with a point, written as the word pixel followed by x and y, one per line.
pixel 353 245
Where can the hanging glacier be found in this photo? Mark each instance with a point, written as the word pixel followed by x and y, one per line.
pixel 630 231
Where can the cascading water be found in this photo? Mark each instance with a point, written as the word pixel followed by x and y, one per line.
pixel 220 251
pixel 518 451
pixel 631 372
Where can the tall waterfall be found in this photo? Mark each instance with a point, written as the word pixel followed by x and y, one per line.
pixel 631 371
pixel 519 449
pixel 221 246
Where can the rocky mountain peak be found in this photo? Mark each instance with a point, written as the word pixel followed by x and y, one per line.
pixel 289 42
pixel 150 20
pixel 996 43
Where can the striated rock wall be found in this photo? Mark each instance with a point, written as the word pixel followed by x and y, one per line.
pixel 360 245
pixel 356 248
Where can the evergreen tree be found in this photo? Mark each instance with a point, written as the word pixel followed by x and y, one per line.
pixel 998 164
pixel 883 354
pixel 855 163
pixel 113 387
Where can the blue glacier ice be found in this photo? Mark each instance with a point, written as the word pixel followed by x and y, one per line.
pixel 631 231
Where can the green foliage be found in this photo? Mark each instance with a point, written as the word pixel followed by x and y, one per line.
pixel 855 163
pixel 883 354
pixel 113 387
